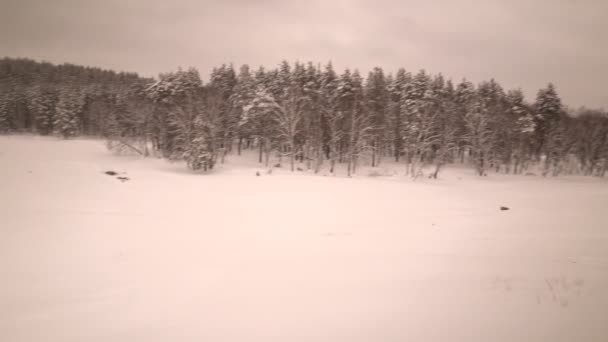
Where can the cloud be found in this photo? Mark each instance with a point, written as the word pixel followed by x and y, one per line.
pixel 520 43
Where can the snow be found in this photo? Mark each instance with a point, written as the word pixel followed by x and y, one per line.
pixel 229 256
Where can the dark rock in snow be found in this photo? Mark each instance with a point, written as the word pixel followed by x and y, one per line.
pixel 111 173
pixel 123 179
pixel 504 208
pixel 257 173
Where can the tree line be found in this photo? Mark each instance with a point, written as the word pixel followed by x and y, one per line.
pixel 309 114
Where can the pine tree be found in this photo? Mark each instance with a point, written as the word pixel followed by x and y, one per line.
pixel 377 104
pixel 444 141
pixel 417 104
pixel 549 132
pixel 224 81
pixel 396 121
pixel 242 94
pixel 309 113
pixel 547 111
pixel 310 81
pixel 590 136
pixel 4 113
pixel 259 117
pixel 359 126
pixel 178 96
pixel 291 107
pixel 332 117
pixel 523 126
pixel 199 152
pixel 464 98
pixel 69 106
pixel 128 126
pixel 479 123
pixel 494 107
pixel 43 104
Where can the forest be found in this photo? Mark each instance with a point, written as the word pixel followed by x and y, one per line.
pixel 307 114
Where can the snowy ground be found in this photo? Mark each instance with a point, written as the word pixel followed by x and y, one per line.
pixel 175 256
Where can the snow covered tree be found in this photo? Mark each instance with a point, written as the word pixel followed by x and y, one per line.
pixel 34 87
pixel 549 132
pixel 418 104
pixel 590 136
pixel 344 95
pixel 359 127
pixel 376 92
pixel 198 152
pixel 396 89
pixel 242 94
pixel 291 108
pixel 177 96
pixel 259 117
pixel 464 97
pixel 312 130
pixel 547 112
pixel 332 116
pixel 444 140
pixel 522 125
pixel 68 110
pixel 5 105
pixel 224 80
pixel 202 149
pixel 306 112
pixel 494 104
pixel 43 102
pixel 479 123
pixel 189 117
pixel 129 124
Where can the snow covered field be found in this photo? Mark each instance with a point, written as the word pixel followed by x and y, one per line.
pixel 173 256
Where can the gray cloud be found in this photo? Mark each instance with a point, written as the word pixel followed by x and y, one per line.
pixel 520 43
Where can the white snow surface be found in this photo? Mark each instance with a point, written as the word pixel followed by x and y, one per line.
pixel 170 255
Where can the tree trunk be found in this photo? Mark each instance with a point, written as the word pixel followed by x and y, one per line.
pixel 268 149
pixel 437 167
pixel 307 156
pixel 380 148
pixel 292 154
pixel 318 160
pixel 373 155
pixel 348 167
pixel 261 152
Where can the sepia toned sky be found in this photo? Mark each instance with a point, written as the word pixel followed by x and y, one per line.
pixel 519 43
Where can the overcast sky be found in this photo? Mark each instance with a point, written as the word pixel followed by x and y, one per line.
pixel 519 43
